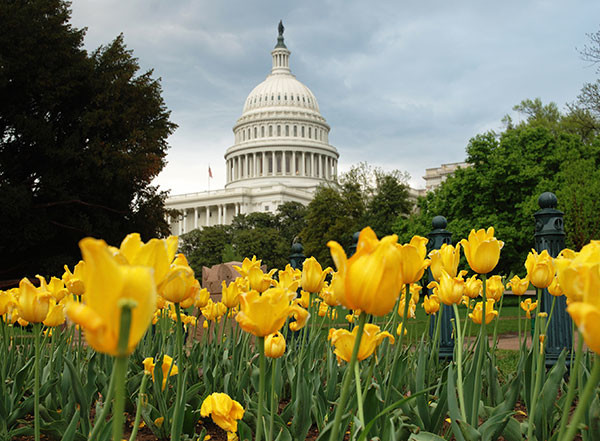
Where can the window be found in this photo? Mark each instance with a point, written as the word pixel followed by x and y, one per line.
pixel 262 131
pixel 266 208
pixel 255 132
pixel 295 130
pixel 303 131
pixel 287 130
pixel 278 130
pixel 270 130
pixel 310 132
pixel 243 135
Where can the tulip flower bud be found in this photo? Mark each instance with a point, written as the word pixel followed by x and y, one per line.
pixel 274 345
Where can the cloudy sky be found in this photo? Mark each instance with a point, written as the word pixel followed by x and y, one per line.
pixel 403 85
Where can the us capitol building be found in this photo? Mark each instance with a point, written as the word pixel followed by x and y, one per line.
pixel 281 153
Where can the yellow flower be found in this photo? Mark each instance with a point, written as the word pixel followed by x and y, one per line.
pixel 300 316
pixel 159 421
pixel 322 309
pixel 56 287
pixel 412 261
pixel 274 345
pixel 494 288
pixel 288 278
pixel 449 289
pixel 201 299
pixel 33 303
pixel 264 314
pixel 477 314
pixel 74 280
pixel 540 269
pixel 370 279
pixel 473 287
pixel 213 310
pixel 313 275
pixel 411 308
pixel 554 288
pixel 108 283
pixel 447 258
pixel 482 250
pixel 56 313
pixel 577 272
pixel 328 295
pixel 399 329
pixel 431 304
pixel 518 285
pixel 230 294
pixel 415 290
pixel 246 265
pixel 343 340
pixel 466 300
pixel 303 300
pixel 7 301
pixel 223 410
pixel 156 253
pixel 259 281
pixel 169 368
pixel 527 305
pixel 179 283
pixel 232 436
pixel 587 318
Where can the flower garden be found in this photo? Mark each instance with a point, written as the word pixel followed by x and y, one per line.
pixel 128 345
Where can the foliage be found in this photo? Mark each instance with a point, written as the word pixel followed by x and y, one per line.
pixel 507 172
pixel 81 138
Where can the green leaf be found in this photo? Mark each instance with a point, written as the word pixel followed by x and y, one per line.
pixel 69 434
pixel 453 408
pixel 425 436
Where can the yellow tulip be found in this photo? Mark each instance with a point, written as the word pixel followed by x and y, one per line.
pixel 587 318
pixel 274 345
pixel 477 314
pixel 259 281
pixel 473 287
pixel 202 298
pixel 179 283
pixel 412 261
pixel 303 300
pixel 230 294
pixel 313 275
pixel 527 305
pixel 288 279
pixel 370 279
pixel 328 295
pixel 7 302
pixel 411 308
pixel 577 272
pixel 264 314
pixel 108 283
pixel 159 421
pixel 399 330
pixel 322 309
pixel 74 280
pixel 213 310
pixel 449 289
pixel 56 313
pixel 415 290
pixel 447 258
pixel 169 368
pixel 554 288
pixel 224 411
pixel 156 253
pixel 431 304
pixel 56 287
pixel 494 288
pixel 482 250
pixel 518 285
pixel 300 316
pixel 466 300
pixel 540 269
pixel 244 270
pixel 343 340
pixel 33 303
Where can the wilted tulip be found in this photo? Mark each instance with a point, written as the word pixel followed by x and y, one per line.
pixel 343 340
pixel 169 368
pixel 224 411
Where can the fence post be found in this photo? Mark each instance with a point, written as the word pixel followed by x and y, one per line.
pixel 550 236
pixel 297 257
pixel 437 237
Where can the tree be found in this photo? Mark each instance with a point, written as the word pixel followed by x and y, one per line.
pixel 507 173
pixel 81 138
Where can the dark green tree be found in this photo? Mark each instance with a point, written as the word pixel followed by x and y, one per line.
pixel 81 138
pixel 205 247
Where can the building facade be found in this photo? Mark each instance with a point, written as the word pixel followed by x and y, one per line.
pixel 281 153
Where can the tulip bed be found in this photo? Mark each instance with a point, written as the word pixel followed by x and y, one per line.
pixel 129 345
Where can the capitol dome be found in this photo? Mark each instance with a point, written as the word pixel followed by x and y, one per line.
pixel 281 137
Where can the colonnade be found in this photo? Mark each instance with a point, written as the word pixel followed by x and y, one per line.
pixel 205 216
pixel 281 163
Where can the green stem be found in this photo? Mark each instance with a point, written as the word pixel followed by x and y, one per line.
pixel 550 315
pixel 537 384
pixel 519 322
pixel 177 420
pixel 120 369
pixel 100 419
pixel 398 349
pixel 359 398
pixel 459 349
pixel 138 411
pixel 483 342
pixel 272 419
pixel 572 388
pixel 339 411
pixel 495 337
pixel 261 388
pixel 36 385
pixel 582 406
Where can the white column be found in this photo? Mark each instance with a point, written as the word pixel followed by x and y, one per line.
pixel 264 163
pixel 183 221
pixel 224 214
pixel 254 167
pixel 237 208
pixel 294 163
pixel 219 208
pixel 195 218
pixel 208 216
pixel 247 166
pixel 273 163
pixel 303 165
pixel 312 164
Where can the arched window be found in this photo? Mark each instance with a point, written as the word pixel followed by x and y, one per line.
pixel 270 130
pixel 287 130
pixel 243 135
pixel 295 130
pixel 278 130
pixel 262 131
pixel 310 132
pixel 255 132
pixel 302 132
